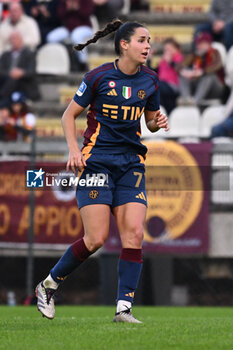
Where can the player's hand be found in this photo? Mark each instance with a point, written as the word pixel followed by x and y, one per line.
pixel 76 161
pixel 161 120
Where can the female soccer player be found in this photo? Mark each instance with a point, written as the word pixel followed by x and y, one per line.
pixel 118 94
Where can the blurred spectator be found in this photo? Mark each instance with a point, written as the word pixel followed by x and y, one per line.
pixel 76 25
pixel 201 73
pixel 168 76
pixel 44 12
pixel 107 10
pixel 226 127
pixel 17 69
pixel 4 12
pixel 26 25
pixel 142 5
pixel 16 124
pixel 220 24
pixel 4 116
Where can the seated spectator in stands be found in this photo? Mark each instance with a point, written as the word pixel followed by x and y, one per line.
pixel 107 10
pixel 139 5
pixel 225 128
pixel 220 24
pixel 18 21
pixel 168 76
pixel 201 73
pixel 17 125
pixel 17 70
pixel 76 25
pixel 4 116
pixel 44 12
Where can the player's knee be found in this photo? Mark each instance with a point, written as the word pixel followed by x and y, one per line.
pixel 95 243
pixel 139 234
pixel 135 235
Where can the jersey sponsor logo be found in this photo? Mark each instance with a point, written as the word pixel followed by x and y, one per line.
pixel 127 112
pixel 110 111
pixel 112 84
pixel 81 89
pixel 126 92
pixel 93 194
pixel 112 93
pixel 141 94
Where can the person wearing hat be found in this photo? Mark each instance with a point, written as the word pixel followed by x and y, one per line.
pixel 19 121
pixel 201 72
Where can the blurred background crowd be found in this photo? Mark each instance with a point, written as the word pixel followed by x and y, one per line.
pixel 193 73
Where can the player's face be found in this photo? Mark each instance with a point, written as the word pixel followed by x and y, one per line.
pixel 137 49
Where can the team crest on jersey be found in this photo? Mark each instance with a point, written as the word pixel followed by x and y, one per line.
pixel 141 94
pixel 93 194
pixel 126 92
pixel 81 89
pixel 112 84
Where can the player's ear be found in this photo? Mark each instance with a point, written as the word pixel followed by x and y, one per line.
pixel 124 44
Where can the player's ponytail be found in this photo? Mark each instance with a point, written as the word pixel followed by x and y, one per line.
pixel 108 29
pixel 124 32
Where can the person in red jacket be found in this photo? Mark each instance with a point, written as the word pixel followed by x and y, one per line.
pixel 201 73
pixel 76 25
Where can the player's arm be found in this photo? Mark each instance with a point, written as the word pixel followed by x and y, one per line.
pixel 156 120
pixel 76 159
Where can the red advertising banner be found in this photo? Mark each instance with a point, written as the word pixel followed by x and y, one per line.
pixel 177 181
pixel 56 218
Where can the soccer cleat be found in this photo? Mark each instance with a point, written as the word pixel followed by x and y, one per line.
pixel 125 316
pixel 45 300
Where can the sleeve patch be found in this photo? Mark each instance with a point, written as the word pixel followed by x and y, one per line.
pixel 81 89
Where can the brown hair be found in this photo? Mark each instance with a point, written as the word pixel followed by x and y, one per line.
pixel 124 31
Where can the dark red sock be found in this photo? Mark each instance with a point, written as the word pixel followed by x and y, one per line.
pixel 130 254
pixel 80 250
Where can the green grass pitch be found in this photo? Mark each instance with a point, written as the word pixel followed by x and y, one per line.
pixel 91 328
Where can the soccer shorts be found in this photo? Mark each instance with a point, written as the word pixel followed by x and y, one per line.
pixel 112 179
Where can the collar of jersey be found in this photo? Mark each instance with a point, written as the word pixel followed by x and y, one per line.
pixel 129 76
